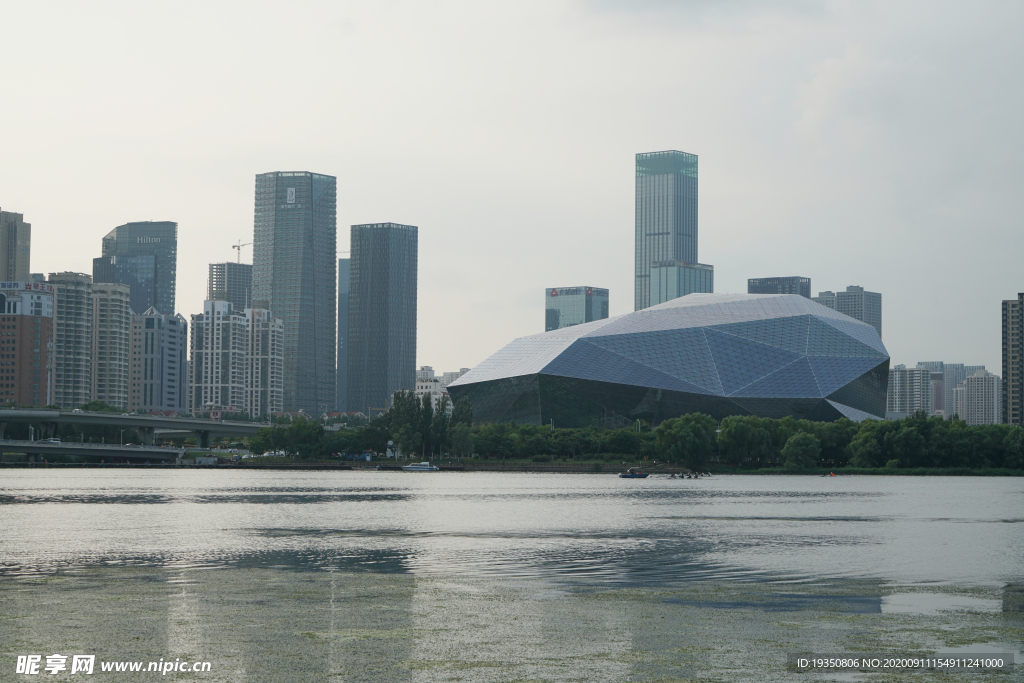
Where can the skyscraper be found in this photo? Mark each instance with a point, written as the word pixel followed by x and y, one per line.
pixel 856 303
pixel 780 285
pixel 567 306
pixel 144 256
pixel 909 391
pixel 1013 360
pixel 294 247
pixel 159 362
pixel 666 227
pixel 231 282
pixel 977 399
pixel 111 343
pixel 72 339
pixel 382 314
pixel 343 288
pixel 15 247
pixel 218 351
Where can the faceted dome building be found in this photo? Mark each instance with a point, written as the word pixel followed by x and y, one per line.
pixel 769 355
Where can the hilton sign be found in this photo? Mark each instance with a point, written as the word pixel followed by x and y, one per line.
pixel 148 240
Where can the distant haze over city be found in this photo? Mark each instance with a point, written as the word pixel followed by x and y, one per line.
pixel 855 143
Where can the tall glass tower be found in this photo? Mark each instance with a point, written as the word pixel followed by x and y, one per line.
pixel 144 256
pixel 294 251
pixel 341 403
pixel 666 224
pixel 381 315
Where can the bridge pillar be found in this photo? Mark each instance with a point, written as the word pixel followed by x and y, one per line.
pixel 202 438
pixel 50 428
pixel 3 426
pixel 146 433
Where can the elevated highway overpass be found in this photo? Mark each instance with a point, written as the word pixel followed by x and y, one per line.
pixel 42 449
pixel 145 424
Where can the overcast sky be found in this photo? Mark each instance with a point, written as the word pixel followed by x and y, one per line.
pixel 868 143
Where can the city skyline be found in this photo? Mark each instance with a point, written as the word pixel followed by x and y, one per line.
pixel 814 129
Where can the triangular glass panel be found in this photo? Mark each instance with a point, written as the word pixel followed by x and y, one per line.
pixel 793 381
pixel 784 333
pixel 741 361
pixel 824 339
pixel 679 353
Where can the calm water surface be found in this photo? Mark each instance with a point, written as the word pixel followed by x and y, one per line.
pixel 379 576
pixel 598 527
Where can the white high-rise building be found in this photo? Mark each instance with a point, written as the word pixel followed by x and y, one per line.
pixel 909 391
pixel 159 362
pixel 72 339
pixel 237 361
pixel 978 399
pixel 111 343
pixel 264 363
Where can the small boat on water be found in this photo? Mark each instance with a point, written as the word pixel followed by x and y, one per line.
pixel 634 473
pixel 421 467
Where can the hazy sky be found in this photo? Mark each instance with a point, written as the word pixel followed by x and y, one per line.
pixel 868 143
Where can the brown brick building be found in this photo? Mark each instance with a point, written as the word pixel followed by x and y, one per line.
pixel 26 343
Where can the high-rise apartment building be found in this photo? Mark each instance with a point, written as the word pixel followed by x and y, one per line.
pixel 264 363
pixel 341 401
pixel 159 362
pixel 294 251
pixel 1013 360
pixel 111 343
pixel 26 343
pixel 435 388
pixel 144 256
pixel 231 282
pixel 237 361
pixel 568 306
pixel 666 227
pixel 978 399
pixel 856 303
pixel 15 247
pixel 780 285
pixel 217 368
pixel 382 314
pixel 909 391
pixel 72 339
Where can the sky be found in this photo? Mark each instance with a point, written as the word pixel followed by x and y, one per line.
pixel 856 143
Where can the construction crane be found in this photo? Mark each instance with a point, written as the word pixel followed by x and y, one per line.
pixel 239 248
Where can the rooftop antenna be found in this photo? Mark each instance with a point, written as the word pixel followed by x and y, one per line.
pixel 239 248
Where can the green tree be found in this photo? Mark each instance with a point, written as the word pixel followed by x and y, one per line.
pixel 462 439
pixel 688 439
pixel 801 451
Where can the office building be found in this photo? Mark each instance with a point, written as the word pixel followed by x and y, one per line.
pixel 72 338
pixel 770 355
pixel 780 285
pixel 978 399
pixel 111 343
pixel 264 363
pixel 294 247
pixel 26 343
pixel 15 247
pixel 341 400
pixel 231 282
pixel 217 367
pixel 666 228
pixel 144 256
pixel 910 391
pixel 673 279
pixel 568 306
pixel 382 315
pixel 1013 360
pixel 856 303
pixel 159 362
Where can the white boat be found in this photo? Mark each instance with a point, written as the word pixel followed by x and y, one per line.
pixel 421 467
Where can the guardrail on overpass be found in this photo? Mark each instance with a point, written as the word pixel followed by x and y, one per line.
pixel 43 448
pixel 145 424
